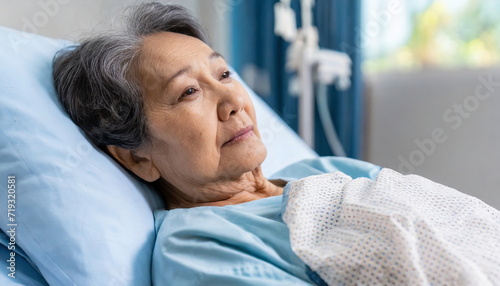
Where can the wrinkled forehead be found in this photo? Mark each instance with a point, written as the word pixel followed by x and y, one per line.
pixel 164 53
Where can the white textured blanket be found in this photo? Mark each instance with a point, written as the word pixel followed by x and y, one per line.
pixel 396 230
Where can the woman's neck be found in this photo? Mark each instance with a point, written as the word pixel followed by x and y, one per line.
pixel 249 187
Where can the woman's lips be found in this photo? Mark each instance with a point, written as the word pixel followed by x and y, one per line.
pixel 241 135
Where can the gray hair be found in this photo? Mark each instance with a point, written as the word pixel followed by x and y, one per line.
pixel 97 83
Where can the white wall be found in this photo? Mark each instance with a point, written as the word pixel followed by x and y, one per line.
pixel 440 125
pixel 72 19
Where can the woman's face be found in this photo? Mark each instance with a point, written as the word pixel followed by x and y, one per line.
pixel 201 121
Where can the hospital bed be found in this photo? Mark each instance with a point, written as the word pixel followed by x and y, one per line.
pixel 69 214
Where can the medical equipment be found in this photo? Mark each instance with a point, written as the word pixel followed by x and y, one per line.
pixel 313 65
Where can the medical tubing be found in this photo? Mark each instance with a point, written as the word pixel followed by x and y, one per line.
pixel 327 122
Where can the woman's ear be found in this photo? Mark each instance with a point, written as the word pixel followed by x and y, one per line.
pixel 142 165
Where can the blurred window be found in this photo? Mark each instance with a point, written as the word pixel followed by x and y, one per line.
pixel 410 35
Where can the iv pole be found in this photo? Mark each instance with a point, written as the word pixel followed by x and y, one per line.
pixel 312 64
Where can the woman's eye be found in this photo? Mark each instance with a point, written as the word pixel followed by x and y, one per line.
pixel 189 92
pixel 226 74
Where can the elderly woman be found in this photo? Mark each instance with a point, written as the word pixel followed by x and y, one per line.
pixel 164 105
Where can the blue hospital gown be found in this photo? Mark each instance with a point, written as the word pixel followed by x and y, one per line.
pixel 244 244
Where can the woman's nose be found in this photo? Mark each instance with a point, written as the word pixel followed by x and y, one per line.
pixel 230 103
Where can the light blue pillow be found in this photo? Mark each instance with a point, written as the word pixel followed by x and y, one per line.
pixel 80 219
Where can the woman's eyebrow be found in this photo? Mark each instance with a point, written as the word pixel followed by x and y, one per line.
pixel 212 56
pixel 215 55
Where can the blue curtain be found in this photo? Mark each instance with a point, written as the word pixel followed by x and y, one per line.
pixel 260 53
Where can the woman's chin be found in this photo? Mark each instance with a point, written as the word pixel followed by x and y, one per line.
pixel 246 160
pixel 257 156
pixel 261 157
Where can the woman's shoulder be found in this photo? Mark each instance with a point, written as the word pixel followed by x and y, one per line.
pixel 248 243
pixel 264 210
pixel 321 165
